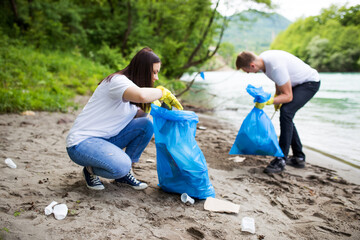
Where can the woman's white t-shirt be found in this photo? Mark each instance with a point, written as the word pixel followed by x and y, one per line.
pixel 105 114
pixel 281 66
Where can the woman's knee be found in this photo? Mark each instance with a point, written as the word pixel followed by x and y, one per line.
pixel 121 170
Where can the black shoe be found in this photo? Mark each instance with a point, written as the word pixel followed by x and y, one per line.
pixel 92 181
pixel 276 166
pixel 297 162
pixel 132 181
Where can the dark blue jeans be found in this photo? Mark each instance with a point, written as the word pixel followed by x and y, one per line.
pixel 107 157
pixel 288 134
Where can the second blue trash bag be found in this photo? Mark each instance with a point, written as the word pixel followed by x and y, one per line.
pixel 181 165
pixel 257 135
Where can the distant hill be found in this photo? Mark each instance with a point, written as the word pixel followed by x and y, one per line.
pixel 253 30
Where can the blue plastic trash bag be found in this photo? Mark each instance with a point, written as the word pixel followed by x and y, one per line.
pixel 257 135
pixel 181 165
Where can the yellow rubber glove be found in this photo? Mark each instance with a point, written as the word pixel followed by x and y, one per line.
pixel 156 102
pixel 277 106
pixel 169 98
pixel 262 105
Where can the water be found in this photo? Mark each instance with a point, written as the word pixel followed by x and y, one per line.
pixel 329 123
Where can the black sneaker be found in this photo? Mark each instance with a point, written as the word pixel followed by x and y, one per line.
pixel 297 162
pixel 92 181
pixel 276 166
pixel 132 181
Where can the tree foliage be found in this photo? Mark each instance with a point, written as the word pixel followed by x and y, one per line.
pixel 329 42
pixel 61 38
pixel 181 32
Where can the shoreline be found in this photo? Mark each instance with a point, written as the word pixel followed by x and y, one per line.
pixel 333 157
pixel 346 171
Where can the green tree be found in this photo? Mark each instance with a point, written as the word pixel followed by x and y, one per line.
pixel 181 32
pixel 53 49
pixel 328 42
pixel 318 53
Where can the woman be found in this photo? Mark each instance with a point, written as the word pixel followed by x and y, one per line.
pixel 113 120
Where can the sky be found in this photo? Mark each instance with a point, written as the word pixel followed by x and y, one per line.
pixel 291 9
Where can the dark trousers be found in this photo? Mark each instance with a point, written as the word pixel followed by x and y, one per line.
pixel 288 134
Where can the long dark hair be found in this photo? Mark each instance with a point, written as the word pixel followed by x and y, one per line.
pixel 139 71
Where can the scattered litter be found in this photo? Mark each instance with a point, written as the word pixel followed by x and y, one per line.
pixel 150 160
pixel 237 159
pixel 202 128
pixel 28 113
pixel 49 208
pixel 10 163
pixel 187 199
pixel 248 225
pixel 60 211
pixel 217 205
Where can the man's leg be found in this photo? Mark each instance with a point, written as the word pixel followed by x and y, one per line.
pixel 289 135
pixel 296 145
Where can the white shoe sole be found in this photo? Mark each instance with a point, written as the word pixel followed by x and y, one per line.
pixel 97 188
pixel 140 187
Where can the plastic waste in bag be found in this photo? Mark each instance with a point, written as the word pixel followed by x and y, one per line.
pixel 181 165
pixel 257 134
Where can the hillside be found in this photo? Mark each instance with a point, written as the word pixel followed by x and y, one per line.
pixel 253 30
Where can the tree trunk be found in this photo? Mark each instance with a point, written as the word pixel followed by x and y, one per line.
pixel 14 9
pixel 30 8
pixel 190 61
pixel 128 30
pixel 208 55
pixel 111 7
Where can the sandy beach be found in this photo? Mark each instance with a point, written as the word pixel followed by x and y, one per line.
pixel 321 201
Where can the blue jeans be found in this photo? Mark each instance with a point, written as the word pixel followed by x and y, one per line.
pixel 107 157
pixel 288 134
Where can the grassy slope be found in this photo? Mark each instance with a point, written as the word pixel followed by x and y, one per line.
pixel 44 80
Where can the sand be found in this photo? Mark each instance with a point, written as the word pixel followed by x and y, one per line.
pixel 318 202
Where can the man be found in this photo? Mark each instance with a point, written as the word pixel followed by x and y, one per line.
pixel 296 83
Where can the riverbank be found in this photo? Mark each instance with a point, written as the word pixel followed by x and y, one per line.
pixel 313 203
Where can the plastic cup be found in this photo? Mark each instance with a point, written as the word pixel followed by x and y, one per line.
pixel 187 199
pixel 10 163
pixel 49 209
pixel 248 225
pixel 60 211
